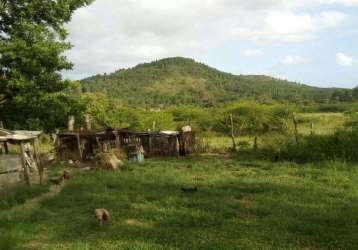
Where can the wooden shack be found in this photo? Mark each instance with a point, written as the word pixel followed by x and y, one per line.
pixel 24 162
pixel 84 145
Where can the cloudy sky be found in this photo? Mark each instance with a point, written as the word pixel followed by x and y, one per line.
pixel 310 41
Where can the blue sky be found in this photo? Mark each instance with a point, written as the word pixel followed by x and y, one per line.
pixel 309 41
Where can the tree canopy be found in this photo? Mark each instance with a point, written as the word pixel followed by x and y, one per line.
pixel 32 43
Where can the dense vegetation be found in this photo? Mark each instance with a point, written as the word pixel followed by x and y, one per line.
pixel 32 46
pixel 178 81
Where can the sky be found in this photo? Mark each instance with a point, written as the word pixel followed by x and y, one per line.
pixel 309 41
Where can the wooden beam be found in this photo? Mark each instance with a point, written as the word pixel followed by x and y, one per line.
pixel 35 144
pixel 24 165
pixel 99 145
pixel 79 145
pixel 149 144
pixel 71 123
pixel 6 148
pixel 118 143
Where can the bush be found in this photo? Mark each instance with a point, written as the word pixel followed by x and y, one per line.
pixel 339 146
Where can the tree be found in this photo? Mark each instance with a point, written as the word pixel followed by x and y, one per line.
pixel 32 43
pixel 355 93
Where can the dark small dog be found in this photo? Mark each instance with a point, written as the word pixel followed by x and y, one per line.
pixel 57 181
pixel 190 190
pixel 66 175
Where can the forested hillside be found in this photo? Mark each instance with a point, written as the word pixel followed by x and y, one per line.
pixel 175 81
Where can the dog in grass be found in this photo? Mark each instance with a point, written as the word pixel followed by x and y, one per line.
pixel 102 215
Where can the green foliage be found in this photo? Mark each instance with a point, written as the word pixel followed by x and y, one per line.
pixel 253 118
pixel 181 81
pixel 199 118
pixel 339 146
pixel 108 114
pixel 160 120
pixel 32 43
pixel 47 112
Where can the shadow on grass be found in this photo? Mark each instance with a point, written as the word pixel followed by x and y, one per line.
pixel 149 211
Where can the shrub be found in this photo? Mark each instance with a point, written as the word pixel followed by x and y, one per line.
pixel 339 146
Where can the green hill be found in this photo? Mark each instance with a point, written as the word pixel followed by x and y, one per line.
pixel 175 81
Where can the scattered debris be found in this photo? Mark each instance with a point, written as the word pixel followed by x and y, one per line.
pixel 109 161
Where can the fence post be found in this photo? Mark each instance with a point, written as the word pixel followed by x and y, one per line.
pixel 255 143
pixel 295 123
pixel 232 133
pixel 312 128
pixel 71 123
pixel 24 164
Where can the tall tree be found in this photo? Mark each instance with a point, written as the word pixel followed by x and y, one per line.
pixel 32 43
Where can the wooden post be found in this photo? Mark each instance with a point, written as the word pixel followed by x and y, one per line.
pixel 150 144
pixel 177 147
pixel 24 165
pixel 154 126
pixel 88 125
pixel 35 144
pixel 255 143
pixel 118 142
pixel 99 145
pixel 71 123
pixel 312 128
pixel 232 133
pixel 6 148
pixel 79 145
pixel 5 143
pixel 295 123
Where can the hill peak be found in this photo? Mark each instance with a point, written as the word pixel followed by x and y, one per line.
pixel 180 80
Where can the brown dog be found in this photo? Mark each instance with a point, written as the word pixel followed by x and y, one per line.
pixel 102 215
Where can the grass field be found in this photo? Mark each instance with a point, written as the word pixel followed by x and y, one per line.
pixel 323 123
pixel 239 205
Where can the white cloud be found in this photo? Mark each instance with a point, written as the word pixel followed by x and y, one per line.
pixel 295 60
pixel 344 60
pixel 111 34
pixel 253 53
pixel 286 26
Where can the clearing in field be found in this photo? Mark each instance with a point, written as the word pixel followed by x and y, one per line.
pixel 238 205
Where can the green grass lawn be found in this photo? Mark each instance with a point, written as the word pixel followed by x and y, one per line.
pixel 239 205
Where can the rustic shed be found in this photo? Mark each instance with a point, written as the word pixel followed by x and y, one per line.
pixel 84 145
pixel 25 162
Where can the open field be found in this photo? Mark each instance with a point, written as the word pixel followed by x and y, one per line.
pixel 323 123
pixel 239 205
